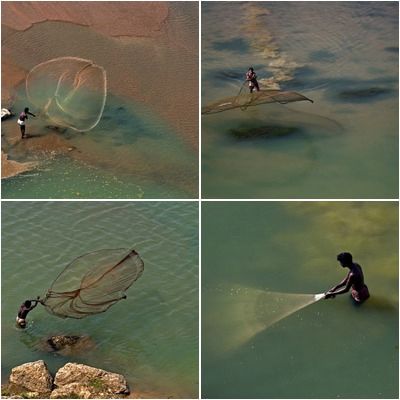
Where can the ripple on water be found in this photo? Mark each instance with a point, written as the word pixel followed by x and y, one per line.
pixel 151 337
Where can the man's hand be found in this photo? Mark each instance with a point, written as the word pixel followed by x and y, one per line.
pixel 329 295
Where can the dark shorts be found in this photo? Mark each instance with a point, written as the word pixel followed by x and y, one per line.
pixel 359 296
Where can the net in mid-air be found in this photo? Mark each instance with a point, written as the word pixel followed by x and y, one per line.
pixel 93 282
pixel 244 100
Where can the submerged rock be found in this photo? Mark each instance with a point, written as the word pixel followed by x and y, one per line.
pixel 363 94
pixel 88 382
pixel 33 376
pixel 263 132
pixel 68 344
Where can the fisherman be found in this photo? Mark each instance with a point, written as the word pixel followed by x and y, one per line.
pixel 251 77
pixel 354 280
pixel 26 306
pixel 21 120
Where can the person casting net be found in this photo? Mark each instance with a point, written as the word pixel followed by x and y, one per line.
pixel 90 284
pixel 256 97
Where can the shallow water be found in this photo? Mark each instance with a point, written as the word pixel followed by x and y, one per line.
pixel 130 154
pixel 147 136
pixel 330 349
pixel 152 337
pixel 342 55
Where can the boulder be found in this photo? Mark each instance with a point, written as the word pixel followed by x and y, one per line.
pixel 68 345
pixel 33 376
pixel 83 381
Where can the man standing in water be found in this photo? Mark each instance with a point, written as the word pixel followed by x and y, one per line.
pixel 21 120
pixel 26 306
pixel 251 77
pixel 353 280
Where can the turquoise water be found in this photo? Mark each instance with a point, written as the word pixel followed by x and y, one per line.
pixel 330 349
pixel 344 56
pixel 138 159
pixel 146 142
pixel 152 337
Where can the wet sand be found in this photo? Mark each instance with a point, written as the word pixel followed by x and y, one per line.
pixel 11 168
pixel 155 44
pixel 127 19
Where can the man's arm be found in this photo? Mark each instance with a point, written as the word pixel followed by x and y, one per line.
pixel 33 115
pixel 341 291
pixel 339 285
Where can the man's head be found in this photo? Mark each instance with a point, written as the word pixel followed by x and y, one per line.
pixel 345 259
pixel 26 109
pixel 27 303
pixel 251 69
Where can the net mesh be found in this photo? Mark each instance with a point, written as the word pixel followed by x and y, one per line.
pixel 244 100
pixel 69 91
pixel 235 314
pixel 92 283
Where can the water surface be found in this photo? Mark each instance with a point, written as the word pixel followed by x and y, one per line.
pixel 152 337
pixel 330 349
pixel 344 56
pixel 145 144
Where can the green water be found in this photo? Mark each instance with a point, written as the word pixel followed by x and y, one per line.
pixel 330 349
pixel 344 56
pixel 146 142
pixel 152 337
pixel 130 154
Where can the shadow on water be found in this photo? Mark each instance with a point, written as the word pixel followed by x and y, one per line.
pixel 379 303
pixel 238 45
pixel 264 132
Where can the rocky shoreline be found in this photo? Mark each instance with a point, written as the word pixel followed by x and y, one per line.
pixel 72 381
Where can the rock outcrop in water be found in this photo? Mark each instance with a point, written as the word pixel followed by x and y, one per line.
pixel 34 377
pixel 88 383
pixel 68 344
pixel 33 380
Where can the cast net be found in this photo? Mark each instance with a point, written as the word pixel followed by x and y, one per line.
pixel 93 282
pixel 244 100
pixel 69 91
pixel 234 315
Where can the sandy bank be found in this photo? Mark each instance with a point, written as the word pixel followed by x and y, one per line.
pixel 11 168
pixel 11 76
pixel 149 50
pixel 110 18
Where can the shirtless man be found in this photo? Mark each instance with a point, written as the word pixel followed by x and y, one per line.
pixel 26 306
pixel 354 280
pixel 21 120
pixel 251 77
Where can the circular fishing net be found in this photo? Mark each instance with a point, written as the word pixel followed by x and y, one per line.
pixel 93 282
pixel 70 91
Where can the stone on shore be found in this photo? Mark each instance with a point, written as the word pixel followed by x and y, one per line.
pixel 83 381
pixel 33 376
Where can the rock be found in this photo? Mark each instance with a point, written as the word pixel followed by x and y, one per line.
pixel 68 344
pixel 83 381
pixel 33 376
